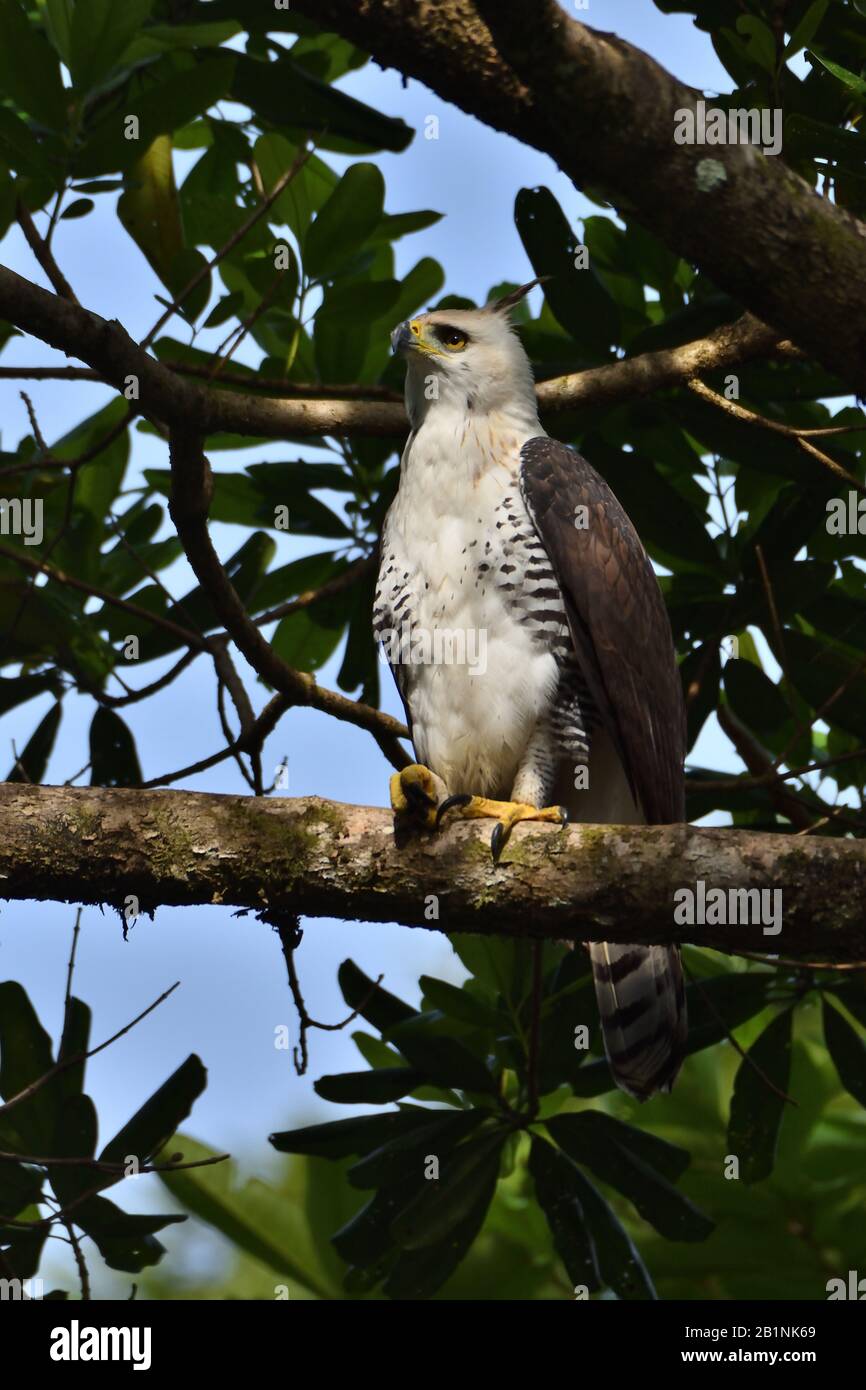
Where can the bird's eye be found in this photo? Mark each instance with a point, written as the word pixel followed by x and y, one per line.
pixel 453 338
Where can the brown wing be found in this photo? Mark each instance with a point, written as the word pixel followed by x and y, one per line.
pixel 619 626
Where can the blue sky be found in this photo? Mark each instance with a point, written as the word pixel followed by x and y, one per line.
pixel 233 994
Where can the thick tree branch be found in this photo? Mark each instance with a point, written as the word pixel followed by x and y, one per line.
pixel 605 112
pixel 114 358
pixel 107 347
pixel 321 858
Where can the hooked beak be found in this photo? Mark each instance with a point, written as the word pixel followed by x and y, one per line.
pixel 402 338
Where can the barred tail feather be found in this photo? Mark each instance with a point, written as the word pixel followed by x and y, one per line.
pixel 641 1001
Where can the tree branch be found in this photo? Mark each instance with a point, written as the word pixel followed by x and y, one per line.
pixel 113 356
pixel 322 858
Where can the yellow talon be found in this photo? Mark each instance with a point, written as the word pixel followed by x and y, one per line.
pixel 414 793
pixel 507 814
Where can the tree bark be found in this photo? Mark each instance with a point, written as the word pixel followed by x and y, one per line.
pixel 605 111
pixel 136 850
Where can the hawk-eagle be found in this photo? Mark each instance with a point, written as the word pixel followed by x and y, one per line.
pixel 567 703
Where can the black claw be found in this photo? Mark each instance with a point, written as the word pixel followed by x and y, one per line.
pixel 461 799
pixel 497 841
pixel 563 811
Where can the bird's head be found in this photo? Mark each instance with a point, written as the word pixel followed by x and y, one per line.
pixel 470 359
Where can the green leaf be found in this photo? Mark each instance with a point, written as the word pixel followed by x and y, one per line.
pixel 162 38
pixel 458 1003
pixel 100 31
pixel 818 671
pixel 160 1116
pixel 57 16
pixel 760 43
pixel 75 1135
pixel 558 1194
pixel 284 94
pixel 673 531
pixel 149 209
pixel 344 1138
pixel 853 996
pixel 161 109
pixel 854 83
pixel 113 758
pixel 245 569
pixel 467 1177
pixel 75 1039
pixel 596 1128
pixel 717 1006
pixel 419 1273
pixel 577 297
pixel 79 207
pixel 308 638
pixel 33 758
pixel 250 1217
pixel 19 1188
pixel 29 71
pixel 124 1241
pixel 15 690
pixel 756 1108
pixel 370 1000
pixel 755 699
pixel 501 963
pixel 628 1166
pixel 184 266
pixel 806 30
pixel 25 1056
pixel 345 221
pixel 443 1060
pixel 366 1236
pixel 311 186
pixel 848 1051
pixel 21 152
pixel 617 1259
pixel 396 225
pixel 369 1087
pixel 407 1155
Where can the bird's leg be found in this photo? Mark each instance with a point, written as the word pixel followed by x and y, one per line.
pixel 531 788
pixel 416 792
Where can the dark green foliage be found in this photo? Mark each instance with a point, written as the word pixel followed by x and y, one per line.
pixel 57 1120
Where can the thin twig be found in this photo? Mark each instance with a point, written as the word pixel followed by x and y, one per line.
pixel 43 253
pixel 289 931
pixel 77 1057
pixel 788 962
pixel 797 436
pixel 80 1262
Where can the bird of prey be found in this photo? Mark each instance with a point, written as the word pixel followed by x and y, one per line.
pixel 572 707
